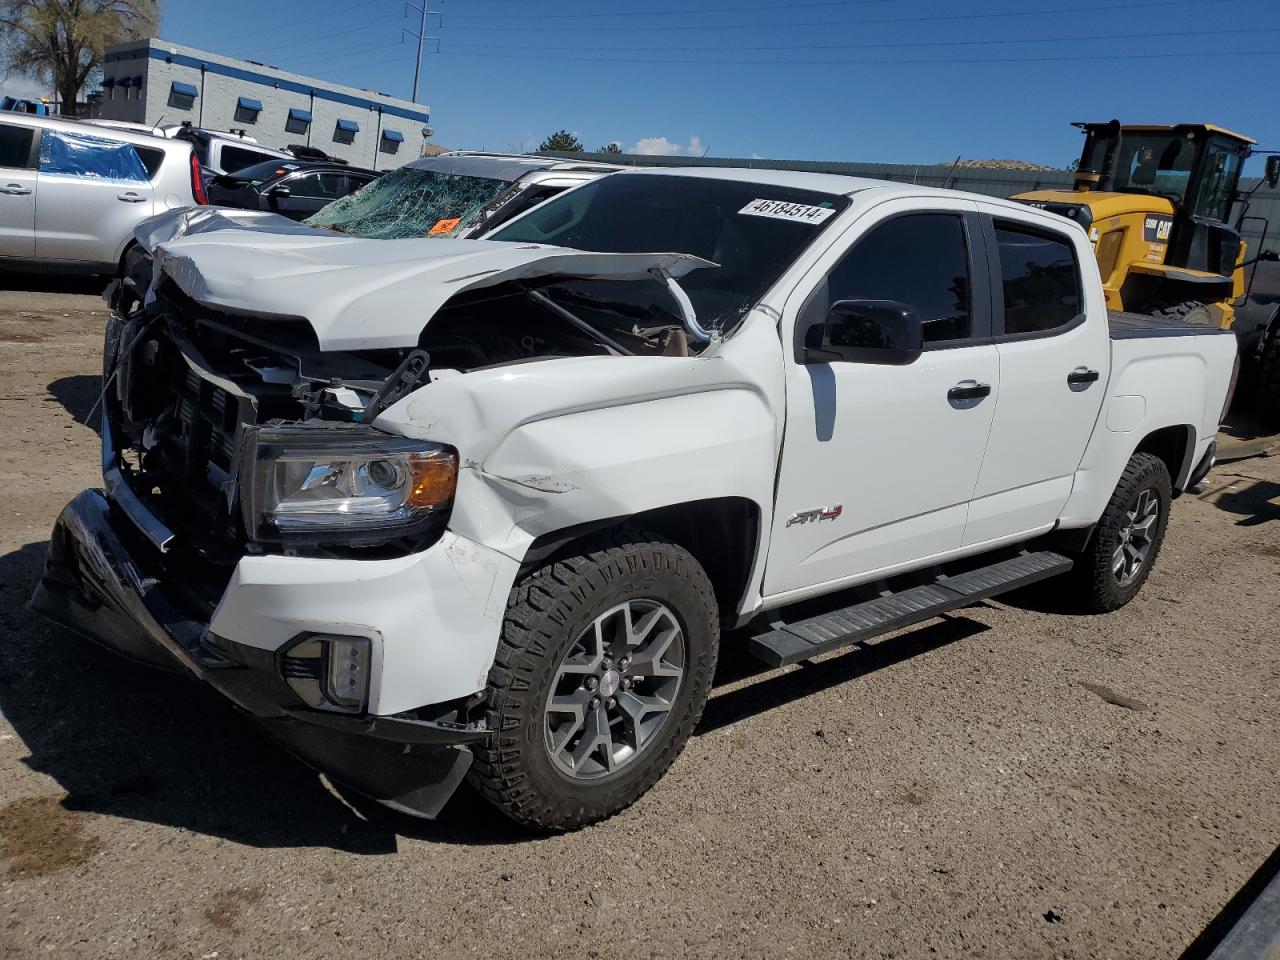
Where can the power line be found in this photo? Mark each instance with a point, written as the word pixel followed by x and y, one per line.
pixel 673 10
pixel 877 45
pixel 940 18
pixel 808 61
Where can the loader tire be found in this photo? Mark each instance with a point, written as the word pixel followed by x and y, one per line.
pixel 602 670
pixel 1268 384
pixel 1189 311
pixel 1127 540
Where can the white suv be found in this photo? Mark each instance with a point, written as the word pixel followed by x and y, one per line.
pixel 71 193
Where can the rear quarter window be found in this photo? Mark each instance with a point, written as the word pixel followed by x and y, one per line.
pixel 152 158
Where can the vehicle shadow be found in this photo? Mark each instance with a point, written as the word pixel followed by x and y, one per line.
pixel 79 396
pixel 31 282
pixel 1257 503
pixel 129 741
pixel 812 677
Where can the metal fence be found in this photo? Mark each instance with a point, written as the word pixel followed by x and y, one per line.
pixel 1261 228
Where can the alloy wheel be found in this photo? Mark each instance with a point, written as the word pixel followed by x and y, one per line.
pixel 1137 534
pixel 615 689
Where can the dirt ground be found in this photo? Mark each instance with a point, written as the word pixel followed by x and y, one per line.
pixel 1013 781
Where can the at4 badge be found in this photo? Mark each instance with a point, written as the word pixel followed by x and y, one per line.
pixel 815 516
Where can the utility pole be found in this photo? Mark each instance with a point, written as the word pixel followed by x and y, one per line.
pixel 422 38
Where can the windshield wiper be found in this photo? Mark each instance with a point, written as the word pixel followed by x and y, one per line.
pixel 588 329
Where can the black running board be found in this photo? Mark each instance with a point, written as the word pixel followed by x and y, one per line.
pixel 792 642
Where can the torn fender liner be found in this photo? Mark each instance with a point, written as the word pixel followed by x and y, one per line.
pixel 370 294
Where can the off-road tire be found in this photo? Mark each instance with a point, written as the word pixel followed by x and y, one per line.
pixel 1268 384
pixel 547 611
pixel 1096 585
pixel 1189 311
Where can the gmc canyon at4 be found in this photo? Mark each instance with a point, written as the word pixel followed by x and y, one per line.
pixel 435 509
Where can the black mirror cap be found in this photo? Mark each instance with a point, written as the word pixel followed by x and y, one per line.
pixel 1272 175
pixel 867 331
pixel 280 193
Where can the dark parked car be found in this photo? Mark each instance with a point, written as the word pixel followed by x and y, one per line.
pixel 292 188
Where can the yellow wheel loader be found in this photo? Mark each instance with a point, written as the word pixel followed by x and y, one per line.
pixel 1157 202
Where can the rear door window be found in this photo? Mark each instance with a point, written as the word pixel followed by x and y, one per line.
pixel 1040 279
pixel 237 158
pixel 15 147
pixel 63 153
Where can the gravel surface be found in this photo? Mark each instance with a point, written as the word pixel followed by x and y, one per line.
pixel 1012 781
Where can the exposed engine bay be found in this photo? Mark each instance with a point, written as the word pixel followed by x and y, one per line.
pixel 189 383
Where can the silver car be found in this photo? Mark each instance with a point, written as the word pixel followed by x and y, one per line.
pixel 71 193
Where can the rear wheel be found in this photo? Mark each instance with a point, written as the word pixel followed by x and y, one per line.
pixel 1189 311
pixel 1127 540
pixel 603 668
pixel 1269 380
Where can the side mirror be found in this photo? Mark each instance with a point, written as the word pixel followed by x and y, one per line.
pixel 1272 174
pixel 866 331
pixel 279 193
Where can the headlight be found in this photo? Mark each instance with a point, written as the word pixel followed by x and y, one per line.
pixel 353 486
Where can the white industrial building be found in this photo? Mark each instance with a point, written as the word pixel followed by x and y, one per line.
pixel 160 83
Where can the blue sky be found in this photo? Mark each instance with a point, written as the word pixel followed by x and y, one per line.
pixel 744 77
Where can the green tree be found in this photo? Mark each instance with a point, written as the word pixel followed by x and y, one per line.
pixel 66 39
pixel 613 146
pixel 562 141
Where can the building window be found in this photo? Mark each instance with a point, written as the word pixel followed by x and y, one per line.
pixel 298 121
pixel 391 140
pixel 345 131
pixel 247 110
pixel 182 96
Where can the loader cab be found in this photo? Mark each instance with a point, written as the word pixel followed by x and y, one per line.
pixel 1157 204
pixel 1196 167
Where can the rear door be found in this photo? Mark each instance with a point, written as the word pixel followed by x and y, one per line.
pixel 19 156
pixel 93 191
pixel 1054 361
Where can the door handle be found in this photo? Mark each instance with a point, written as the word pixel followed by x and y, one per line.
pixel 968 390
pixel 15 190
pixel 1082 375
pixel 130 197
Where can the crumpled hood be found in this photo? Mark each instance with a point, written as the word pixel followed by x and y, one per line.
pixel 188 221
pixel 364 294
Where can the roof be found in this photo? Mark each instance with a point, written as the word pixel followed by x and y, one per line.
pixel 494 166
pixel 1167 127
pixel 821 182
pixel 140 137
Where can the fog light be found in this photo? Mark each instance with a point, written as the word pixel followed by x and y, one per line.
pixel 346 675
pixel 330 672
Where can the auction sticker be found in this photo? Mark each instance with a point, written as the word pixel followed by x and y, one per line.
pixel 781 210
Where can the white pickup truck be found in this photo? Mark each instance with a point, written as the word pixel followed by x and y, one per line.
pixel 445 509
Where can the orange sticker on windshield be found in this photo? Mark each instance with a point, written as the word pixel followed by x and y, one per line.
pixel 444 226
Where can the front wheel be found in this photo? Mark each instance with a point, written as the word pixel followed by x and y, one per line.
pixel 604 665
pixel 1127 540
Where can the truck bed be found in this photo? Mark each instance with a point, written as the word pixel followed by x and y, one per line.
pixel 1132 326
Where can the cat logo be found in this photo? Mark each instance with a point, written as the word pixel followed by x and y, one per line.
pixel 1156 229
pixel 815 516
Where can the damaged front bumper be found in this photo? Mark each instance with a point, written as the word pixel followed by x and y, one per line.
pixel 98 582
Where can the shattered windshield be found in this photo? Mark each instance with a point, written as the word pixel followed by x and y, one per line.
pixel 753 231
pixel 410 203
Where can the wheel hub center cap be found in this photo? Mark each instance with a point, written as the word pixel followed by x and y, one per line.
pixel 609 683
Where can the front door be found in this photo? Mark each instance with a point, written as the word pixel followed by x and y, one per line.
pixel 308 193
pixel 1053 376
pixel 879 462
pixel 17 190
